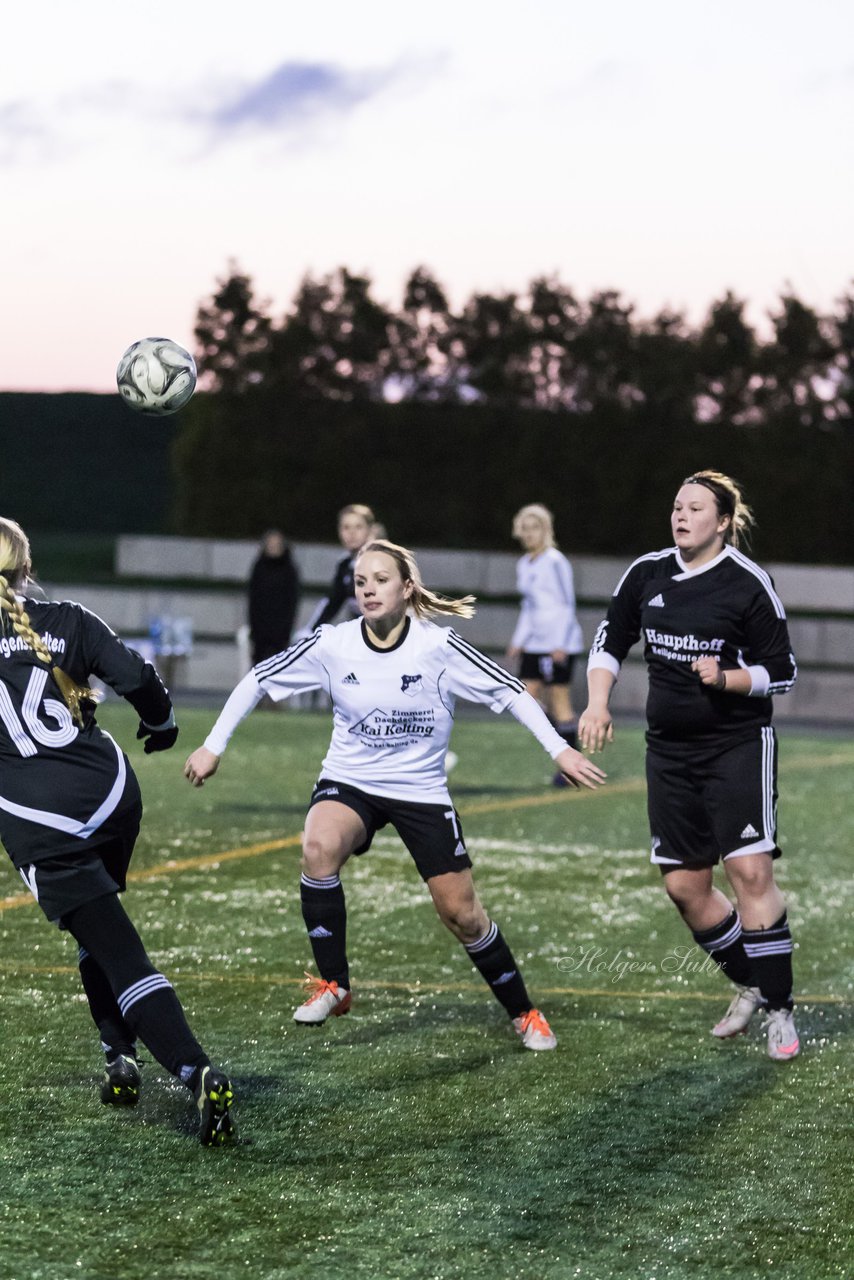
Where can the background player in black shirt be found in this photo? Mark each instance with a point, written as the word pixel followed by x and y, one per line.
pixel 717 648
pixel 70 811
pixel 356 524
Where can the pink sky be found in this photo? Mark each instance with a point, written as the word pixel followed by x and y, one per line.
pixel 670 151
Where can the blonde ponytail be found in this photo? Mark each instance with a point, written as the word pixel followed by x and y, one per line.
pixel 15 569
pixel 730 502
pixel 422 602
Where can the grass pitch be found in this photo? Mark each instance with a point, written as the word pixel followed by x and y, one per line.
pixel 415 1138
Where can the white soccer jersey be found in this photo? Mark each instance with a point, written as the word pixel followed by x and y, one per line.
pixel 547 620
pixel 393 708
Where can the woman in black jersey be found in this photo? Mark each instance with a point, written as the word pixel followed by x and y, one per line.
pixel 717 648
pixel 70 811
pixel 356 525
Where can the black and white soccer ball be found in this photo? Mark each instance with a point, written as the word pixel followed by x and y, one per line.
pixel 156 376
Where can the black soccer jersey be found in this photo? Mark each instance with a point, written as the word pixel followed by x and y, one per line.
pixel 727 609
pixel 61 784
pixel 342 592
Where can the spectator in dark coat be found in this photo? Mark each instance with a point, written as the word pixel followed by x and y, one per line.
pixel 273 595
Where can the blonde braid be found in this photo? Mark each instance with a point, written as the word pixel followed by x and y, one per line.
pixel 72 693
pixel 20 621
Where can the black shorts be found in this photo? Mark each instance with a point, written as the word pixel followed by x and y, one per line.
pixel 706 804
pixel 432 833
pixel 61 884
pixel 542 666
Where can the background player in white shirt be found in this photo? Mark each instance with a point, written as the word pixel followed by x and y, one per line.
pixel 548 635
pixel 717 648
pixel 393 678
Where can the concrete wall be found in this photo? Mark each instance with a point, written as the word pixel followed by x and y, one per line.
pixel 488 573
pixel 820 603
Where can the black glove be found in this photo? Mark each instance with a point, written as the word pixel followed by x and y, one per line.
pixel 157 739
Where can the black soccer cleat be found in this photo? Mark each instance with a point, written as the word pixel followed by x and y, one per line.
pixel 214 1098
pixel 120 1087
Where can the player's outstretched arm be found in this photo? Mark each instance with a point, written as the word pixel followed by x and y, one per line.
pixel 200 765
pixel 578 770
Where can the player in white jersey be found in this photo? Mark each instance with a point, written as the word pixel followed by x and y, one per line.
pixel 393 678
pixel 548 636
pixel 70 811
pixel 717 649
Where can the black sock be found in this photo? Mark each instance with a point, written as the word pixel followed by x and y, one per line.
pixel 324 911
pixel 568 730
pixel 493 959
pixel 116 1036
pixel 155 1013
pixel 145 999
pixel 725 945
pixel 770 954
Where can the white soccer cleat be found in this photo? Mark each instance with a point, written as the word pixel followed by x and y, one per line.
pixel 737 1017
pixel 783 1042
pixel 327 999
pixel 534 1030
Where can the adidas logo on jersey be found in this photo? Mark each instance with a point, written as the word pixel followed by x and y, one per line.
pixel 657 602
pixel 750 832
pixel 350 679
pixel 320 932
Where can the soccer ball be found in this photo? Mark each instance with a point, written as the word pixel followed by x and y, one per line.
pixel 156 376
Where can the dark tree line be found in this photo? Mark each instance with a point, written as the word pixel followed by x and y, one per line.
pixel 545 349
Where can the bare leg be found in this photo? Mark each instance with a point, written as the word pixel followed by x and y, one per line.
pixel 332 832
pixel 458 906
pixel 700 904
pixel 760 901
pixel 560 703
pixel 460 910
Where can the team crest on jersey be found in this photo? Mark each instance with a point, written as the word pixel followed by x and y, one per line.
pixel 411 685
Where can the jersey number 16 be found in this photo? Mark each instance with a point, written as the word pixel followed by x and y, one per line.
pixel 34 701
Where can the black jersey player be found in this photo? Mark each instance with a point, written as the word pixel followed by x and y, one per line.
pixel 355 526
pixel 717 649
pixel 70 811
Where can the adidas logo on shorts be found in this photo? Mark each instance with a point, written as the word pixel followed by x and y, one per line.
pixel 350 679
pixel 657 602
pixel 750 832
pixel 460 851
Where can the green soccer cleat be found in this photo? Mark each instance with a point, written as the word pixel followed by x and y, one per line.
pixel 120 1087
pixel 214 1098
